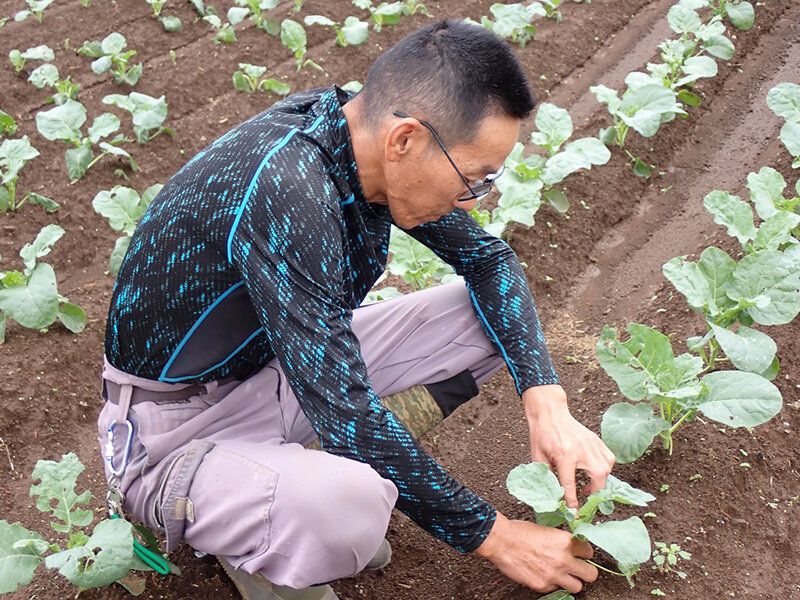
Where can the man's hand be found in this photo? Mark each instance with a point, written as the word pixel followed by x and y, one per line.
pixel 542 558
pixel 562 442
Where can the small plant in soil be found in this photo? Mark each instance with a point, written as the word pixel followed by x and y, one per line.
pixel 293 36
pixel 35 9
pixel 18 59
pixel 514 21
pixel 14 155
pixel 64 123
pixel 156 6
pixel 353 32
pixel 123 208
pixel 740 14
pixel 47 75
pixel 110 55
pixel 784 101
pixel 628 541
pixel 386 13
pixel 30 297
pixel 666 558
pixel 8 126
pixel 148 114
pixel 225 32
pixel 257 11
pixel 88 561
pixel 250 78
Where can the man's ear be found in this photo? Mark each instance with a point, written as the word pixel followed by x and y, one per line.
pixel 400 139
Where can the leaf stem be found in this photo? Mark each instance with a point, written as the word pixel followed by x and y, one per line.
pixel 602 568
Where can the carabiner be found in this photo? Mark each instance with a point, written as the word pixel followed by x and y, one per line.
pixel 109 451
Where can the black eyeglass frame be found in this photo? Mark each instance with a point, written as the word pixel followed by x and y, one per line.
pixel 476 192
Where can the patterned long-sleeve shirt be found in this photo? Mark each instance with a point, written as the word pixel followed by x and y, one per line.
pixel 260 247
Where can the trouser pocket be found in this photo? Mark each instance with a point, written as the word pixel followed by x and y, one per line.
pixel 173 506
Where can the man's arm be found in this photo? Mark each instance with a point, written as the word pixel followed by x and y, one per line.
pixel 289 248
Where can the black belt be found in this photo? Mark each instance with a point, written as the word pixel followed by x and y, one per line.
pixel 111 392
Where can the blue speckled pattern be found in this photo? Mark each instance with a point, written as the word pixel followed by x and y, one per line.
pixel 261 247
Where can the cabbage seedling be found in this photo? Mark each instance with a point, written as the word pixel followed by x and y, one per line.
pixel 390 13
pixel 8 126
pixel 353 32
pixel 14 154
pixel 225 32
pixel 256 10
pixel 35 8
pixel 784 101
pixel 741 14
pixel 249 79
pixel 148 114
pixel 47 75
pixel 293 36
pixel 156 5
pixel 110 55
pixel 64 123
pixel 628 541
pixel 514 21
pixel 30 297
pixel 18 59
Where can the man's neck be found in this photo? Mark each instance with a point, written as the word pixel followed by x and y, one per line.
pixel 368 152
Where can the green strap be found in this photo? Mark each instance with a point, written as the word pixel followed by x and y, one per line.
pixel 150 558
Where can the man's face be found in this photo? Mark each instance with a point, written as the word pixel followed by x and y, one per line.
pixel 422 184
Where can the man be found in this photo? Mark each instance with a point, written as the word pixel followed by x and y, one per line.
pixel 235 335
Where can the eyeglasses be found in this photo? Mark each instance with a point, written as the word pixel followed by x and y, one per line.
pixel 477 189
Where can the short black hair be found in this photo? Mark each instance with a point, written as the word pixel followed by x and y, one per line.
pixel 452 73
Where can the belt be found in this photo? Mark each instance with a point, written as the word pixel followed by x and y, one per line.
pixel 111 392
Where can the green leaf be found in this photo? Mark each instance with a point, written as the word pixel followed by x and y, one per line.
pixel 642 107
pixel 103 126
pixel 784 100
pixel 171 23
pixel 696 67
pixel 628 430
pixel 623 493
pixel 8 126
pixel 57 485
pixel 536 485
pixel 627 541
pixel 293 36
pixel 749 350
pixel 42 52
pixel 122 206
pixel 3 319
pixel 720 47
pixel 742 15
pixel 276 87
pixel 519 199
pixel 558 595
pixel 150 193
pixel 62 122
pixel 17 564
pixel 771 280
pixel 118 254
pixel 14 154
pixel 739 399
pixel 689 98
pixel 766 191
pixel 72 316
pixel 88 567
pixel 717 267
pixel 688 279
pixel 102 65
pixel 771 372
pixel 44 75
pixel 733 213
pixel 310 20
pixel 776 230
pixel 580 154
pixel 555 127
pixel 114 43
pixel 355 31
pixel 606 95
pixel 241 83
pixel 115 150
pixel 790 136
pixel 78 160
pixel 558 199
pixel 147 112
pixel 682 19
pixel 41 246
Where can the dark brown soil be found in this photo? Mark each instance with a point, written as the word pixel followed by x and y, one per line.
pixel 601 265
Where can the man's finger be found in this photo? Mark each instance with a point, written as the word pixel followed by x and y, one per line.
pixel 582 548
pixel 585 571
pixel 566 477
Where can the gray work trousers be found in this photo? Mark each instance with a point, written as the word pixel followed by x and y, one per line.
pixel 226 469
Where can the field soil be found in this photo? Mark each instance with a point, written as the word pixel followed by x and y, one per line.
pixel 730 497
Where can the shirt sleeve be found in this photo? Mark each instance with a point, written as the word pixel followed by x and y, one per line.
pixel 500 294
pixel 290 252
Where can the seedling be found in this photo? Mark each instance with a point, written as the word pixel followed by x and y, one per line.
pixel 414 262
pixel 677 388
pixel 18 59
pixel 8 126
pixel 156 6
pixel 293 36
pixel 31 297
pixel 250 79
pixel 35 8
pixel 148 114
pixel 123 208
pixel 14 154
pixel 740 14
pixel 354 32
pixel 628 541
pixel 386 14
pixel 225 32
pixel 47 75
pixel 110 55
pixel 89 561
pixel 256 10
pixel 171 23
pixel 64 123
pixel 515 21
pixel 784 101
pixel 666 558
